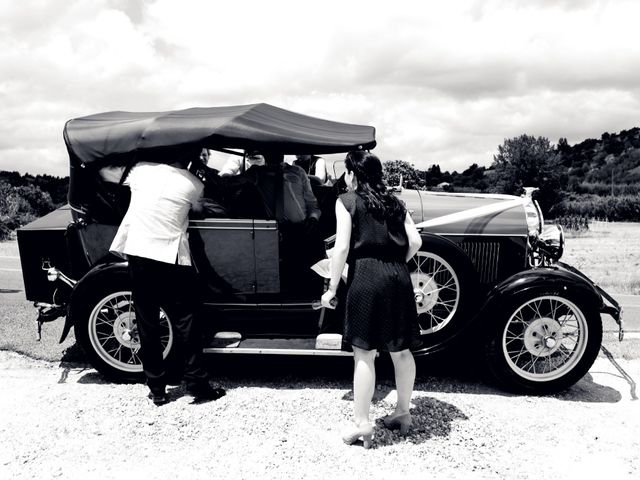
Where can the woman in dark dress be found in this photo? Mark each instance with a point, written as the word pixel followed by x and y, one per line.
pixel 377 237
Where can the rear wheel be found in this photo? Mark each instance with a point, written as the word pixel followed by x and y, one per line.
pixel 105 327
pixel 543 342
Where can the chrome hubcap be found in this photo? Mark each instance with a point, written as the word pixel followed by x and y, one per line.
pixel 541 337
pixel 125 330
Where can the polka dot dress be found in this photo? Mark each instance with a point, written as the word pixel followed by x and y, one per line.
pixel 380 311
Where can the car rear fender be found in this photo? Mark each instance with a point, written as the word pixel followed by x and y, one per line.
pixel 81 289
pixel 550 279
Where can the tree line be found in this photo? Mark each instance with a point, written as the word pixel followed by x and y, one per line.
pixel 593 179
pixel 23 198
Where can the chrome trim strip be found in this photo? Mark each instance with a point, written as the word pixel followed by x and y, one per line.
pixel 256 305
pixel 202 227
pixel 222 220
pixel 524 235
pixel 497 196
pixel 278 351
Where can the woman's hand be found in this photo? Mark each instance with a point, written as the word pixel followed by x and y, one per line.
pixel 329 299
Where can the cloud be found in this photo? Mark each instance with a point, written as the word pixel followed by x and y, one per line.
pixel 442 82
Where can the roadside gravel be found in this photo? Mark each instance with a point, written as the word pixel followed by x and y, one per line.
pixel 66 421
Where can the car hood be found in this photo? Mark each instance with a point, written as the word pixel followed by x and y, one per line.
pixel 467 214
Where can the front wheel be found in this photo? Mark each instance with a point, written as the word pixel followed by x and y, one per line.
pixel 543 342
pixel 445 288
pixel 105 327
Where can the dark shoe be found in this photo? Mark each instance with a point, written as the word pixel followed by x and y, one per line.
pixel 402 421
pixel 158 398
pixel 204 392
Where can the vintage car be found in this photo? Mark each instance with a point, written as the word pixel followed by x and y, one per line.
pixel 487 280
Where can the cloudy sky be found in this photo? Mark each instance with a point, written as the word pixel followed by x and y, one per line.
pixel 442 82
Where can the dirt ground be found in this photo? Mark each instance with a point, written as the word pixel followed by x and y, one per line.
pixel 65 421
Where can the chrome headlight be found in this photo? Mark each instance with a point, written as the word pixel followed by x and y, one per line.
pixel 551 242
pixel 533 214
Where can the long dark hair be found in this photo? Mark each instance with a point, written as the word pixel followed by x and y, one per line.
pixel 382 204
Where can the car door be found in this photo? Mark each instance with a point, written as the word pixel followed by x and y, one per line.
pixel 236 256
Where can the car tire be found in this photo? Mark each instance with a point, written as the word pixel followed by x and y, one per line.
pixel 542 341
pixel 446 286
pixel 105 327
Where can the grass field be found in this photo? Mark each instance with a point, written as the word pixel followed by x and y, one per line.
pixel 608 253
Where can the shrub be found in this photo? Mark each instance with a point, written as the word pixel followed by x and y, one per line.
pixel 618 208
pixel 21 205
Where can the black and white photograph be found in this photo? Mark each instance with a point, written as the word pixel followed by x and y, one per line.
pixel 344 239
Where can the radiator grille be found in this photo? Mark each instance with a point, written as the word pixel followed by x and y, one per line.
pixel 484 256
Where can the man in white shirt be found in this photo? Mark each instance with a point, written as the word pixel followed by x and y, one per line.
pixel 153 236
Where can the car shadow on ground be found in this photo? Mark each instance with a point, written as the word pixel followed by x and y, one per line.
pixel 430 418
pixel 438 373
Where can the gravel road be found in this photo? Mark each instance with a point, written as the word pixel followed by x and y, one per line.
pixel 65 421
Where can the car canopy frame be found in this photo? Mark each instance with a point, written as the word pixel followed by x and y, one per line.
pixel 124 138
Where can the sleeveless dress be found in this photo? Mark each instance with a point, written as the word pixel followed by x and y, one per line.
pixel 380 311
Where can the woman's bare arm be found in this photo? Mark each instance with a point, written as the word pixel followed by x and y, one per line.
pixel 415 241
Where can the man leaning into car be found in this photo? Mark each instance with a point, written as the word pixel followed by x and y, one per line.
pixel 153 236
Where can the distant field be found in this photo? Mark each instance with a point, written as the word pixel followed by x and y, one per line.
pixel 608 253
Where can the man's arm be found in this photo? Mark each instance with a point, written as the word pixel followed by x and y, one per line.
pixel 310 200
pixel 197 200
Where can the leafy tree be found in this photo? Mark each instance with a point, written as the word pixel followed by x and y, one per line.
pixel 21 205
pixel 393 169
pixel 526 161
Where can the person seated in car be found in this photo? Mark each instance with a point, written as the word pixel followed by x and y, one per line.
pixel 287 196
pixel 313 166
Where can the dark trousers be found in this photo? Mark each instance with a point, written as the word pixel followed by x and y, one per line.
pixel 174 288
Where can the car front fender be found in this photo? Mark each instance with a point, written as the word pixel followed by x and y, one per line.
pixel 558 277
pixel 80 289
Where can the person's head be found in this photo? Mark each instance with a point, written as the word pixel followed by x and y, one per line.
pixel 254 157
pixel 364 171
pixel 272 158
pixel 303 158
pixel 364 175
pixel 184 156
pixel 205 154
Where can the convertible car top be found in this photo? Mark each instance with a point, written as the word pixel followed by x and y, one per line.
pixel 123 136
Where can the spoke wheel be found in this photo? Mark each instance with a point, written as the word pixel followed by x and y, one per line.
pixel 113 332
pixel 105 326
pixel 436 290
pixel 544 338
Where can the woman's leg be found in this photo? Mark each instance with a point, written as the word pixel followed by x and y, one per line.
pixel 364 380
pixel 405 369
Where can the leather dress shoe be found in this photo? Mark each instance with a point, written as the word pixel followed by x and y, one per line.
pixel 159 398
pixel 204 392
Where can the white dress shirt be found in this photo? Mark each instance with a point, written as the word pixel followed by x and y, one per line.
pixel 155 225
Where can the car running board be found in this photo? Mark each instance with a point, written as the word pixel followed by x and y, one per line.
pixel 322 345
